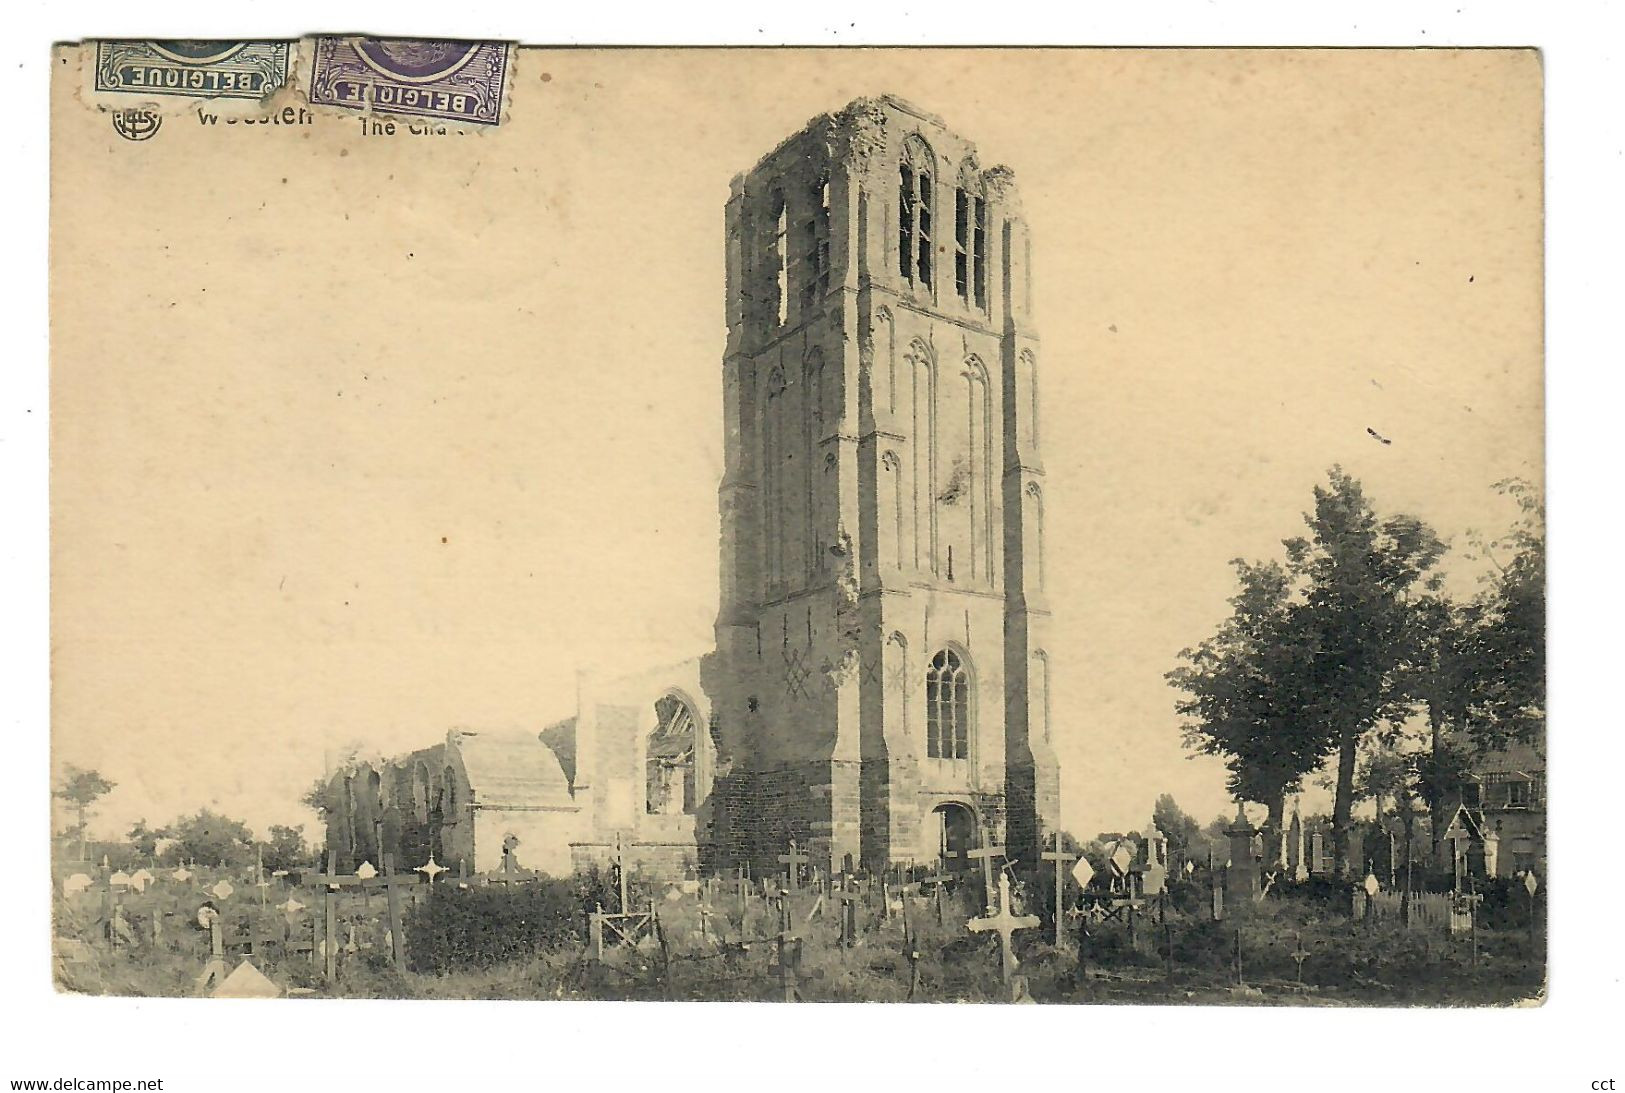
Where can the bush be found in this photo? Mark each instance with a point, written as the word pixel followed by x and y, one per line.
pixel 1506 903
pixel 1328 893
pixel 479 927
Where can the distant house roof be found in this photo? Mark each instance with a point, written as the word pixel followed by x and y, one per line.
pixel 561 737
pixel 1513 759
pixel 510 769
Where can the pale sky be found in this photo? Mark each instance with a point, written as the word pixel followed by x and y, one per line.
pixel 361 438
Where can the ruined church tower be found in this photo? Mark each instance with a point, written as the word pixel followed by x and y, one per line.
pixel 882 685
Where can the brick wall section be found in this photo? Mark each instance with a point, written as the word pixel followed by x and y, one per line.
pixel 659 861
pixel 890 812
pixel 874 812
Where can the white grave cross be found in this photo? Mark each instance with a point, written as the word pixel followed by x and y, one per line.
pixel 1004 924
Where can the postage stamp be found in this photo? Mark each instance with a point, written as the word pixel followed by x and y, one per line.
pixel 454 81
pixel 192 69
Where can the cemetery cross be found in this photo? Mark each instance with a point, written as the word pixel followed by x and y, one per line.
pixel 793 861
pixel 986 854
pixel 620 871
pixel 849 908
pixel 261 881
pixel 911 950
pixel 214 972
pixel 1299 954
pixel 366 878
pixel 1004 924
pixel 1060 858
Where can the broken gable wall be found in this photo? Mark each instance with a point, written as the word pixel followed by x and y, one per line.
pixel 616 719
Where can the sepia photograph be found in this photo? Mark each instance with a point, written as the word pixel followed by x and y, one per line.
pixel 913 525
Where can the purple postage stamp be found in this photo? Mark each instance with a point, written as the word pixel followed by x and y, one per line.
pixel 455 81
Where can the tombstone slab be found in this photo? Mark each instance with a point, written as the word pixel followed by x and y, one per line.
pixel 1296 865
pixel 247 982
pixel 1241 878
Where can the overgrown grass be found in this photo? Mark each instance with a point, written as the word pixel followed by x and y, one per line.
pixel 726 959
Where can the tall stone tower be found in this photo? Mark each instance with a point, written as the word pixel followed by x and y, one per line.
pixel 882 680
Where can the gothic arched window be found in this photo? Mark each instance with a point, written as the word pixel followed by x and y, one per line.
pixel 814 273
pixel 914 207
pixel 970 240
pixel 776 257
pixel 669 762
pixel 351 807
pixel 421 800
pixel 947 707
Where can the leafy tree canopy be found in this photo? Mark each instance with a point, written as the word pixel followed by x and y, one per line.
pixel 82 788
pixel 209 838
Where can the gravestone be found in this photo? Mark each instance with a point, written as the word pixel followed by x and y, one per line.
pixel 1385 857
pixel 1241 878
pixel 1152 874
pixel 247 981
pixel 70 950
pixel 1297 867
pixel 1276 853
pixel 1319 860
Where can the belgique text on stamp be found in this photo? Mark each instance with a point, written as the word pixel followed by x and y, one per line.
pixel 192 69
pixel 454 81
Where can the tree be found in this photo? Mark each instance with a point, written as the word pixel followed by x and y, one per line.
pixel 1361 577
pixel 1440 776
pixel 318 799
pixel 1441 673
pixel 286 848
pixel 81 789
pixel 144 840
pixel 209 838
pixel 1180 828
pixel 1507 697
pixel 1247 691
pixel 1384 776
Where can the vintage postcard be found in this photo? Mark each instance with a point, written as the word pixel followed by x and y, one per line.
pixel 886 525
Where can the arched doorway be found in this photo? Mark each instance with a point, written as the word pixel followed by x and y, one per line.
pixel 954 825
